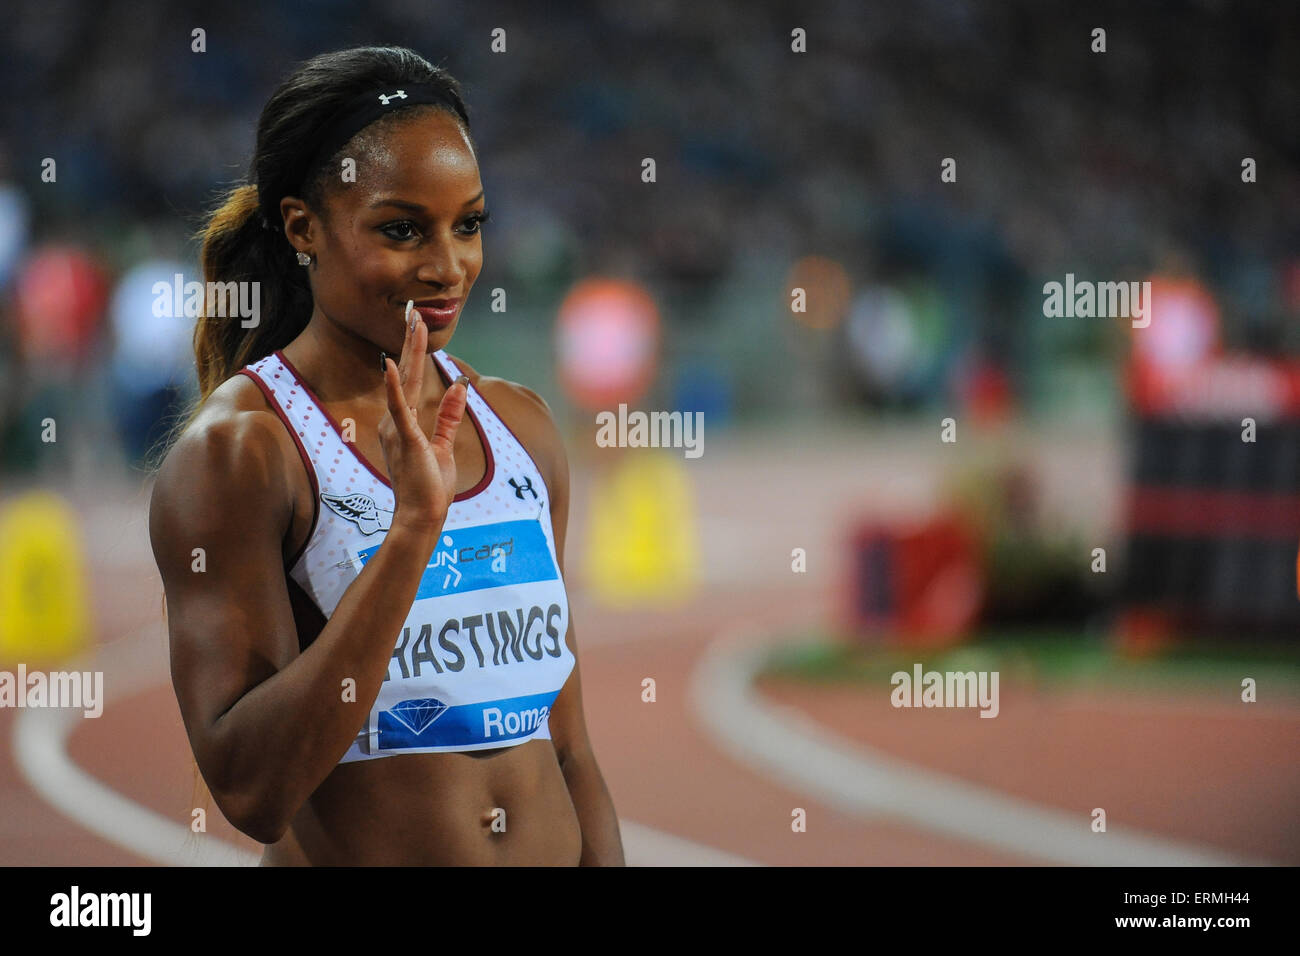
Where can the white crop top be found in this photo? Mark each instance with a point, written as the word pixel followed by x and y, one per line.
pixel 482 655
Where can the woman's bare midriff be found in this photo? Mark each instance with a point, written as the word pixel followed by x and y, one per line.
pixel 503 807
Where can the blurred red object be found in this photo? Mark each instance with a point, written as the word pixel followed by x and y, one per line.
pixel 61 293
pixel 1223 388
pixel 921 586
pixel 1143 632
pixel 987 394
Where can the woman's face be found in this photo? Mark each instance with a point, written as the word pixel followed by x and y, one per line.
pixel 407 228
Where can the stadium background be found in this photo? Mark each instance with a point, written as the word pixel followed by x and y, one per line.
pixel 775 170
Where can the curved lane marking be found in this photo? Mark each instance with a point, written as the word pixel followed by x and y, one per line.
pixel 788 746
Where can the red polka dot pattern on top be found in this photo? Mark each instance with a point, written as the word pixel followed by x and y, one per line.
pixel 324 574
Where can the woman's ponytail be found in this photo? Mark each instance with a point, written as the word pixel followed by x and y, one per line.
pixel 238 247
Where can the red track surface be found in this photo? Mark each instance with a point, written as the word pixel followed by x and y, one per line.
pixel 1212 772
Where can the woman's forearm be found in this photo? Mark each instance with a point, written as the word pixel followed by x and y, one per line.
pixel 276 745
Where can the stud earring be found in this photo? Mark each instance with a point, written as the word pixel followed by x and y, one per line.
pixel 304 259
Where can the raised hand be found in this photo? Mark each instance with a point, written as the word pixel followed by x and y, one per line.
pixel 421 469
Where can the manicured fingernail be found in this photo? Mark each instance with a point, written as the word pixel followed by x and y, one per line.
pixel 383 362
pixel 463 380
pixel 410 323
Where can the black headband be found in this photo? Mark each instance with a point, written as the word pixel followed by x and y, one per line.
pixel 350 118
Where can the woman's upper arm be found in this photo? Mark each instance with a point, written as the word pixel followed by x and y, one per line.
pixel 220 509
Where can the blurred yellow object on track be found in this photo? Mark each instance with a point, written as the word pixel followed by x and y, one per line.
pixel 43 590
pixel 642 540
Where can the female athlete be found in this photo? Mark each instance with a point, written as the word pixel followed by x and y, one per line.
pixel 370 637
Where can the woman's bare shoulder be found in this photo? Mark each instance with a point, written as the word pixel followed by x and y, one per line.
pixel 460 363
pixel 235 436
pixel 527 415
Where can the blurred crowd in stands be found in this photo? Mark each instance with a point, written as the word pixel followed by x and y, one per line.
pixel 1114 166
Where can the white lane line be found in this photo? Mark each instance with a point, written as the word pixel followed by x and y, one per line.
pixel 644 846
pixel 805 757
pixel 136 664
pixel 130 665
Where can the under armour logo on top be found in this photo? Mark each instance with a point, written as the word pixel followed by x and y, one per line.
pixel 399 95
pixel 526 486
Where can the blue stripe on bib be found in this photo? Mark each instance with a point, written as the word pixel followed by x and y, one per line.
pixel 484 556
pixel 427 722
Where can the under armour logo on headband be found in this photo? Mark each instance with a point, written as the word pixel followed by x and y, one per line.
pixel 355 114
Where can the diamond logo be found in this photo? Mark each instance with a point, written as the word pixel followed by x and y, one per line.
pixel 417 715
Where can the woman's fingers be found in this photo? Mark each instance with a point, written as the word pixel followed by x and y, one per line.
pixel 404 360
pixel 408 427
pixel 403 387
pixel 411 366
pixel 418 341
pixel 450 412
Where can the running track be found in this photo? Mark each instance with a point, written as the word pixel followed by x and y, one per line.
pixel 1202 780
